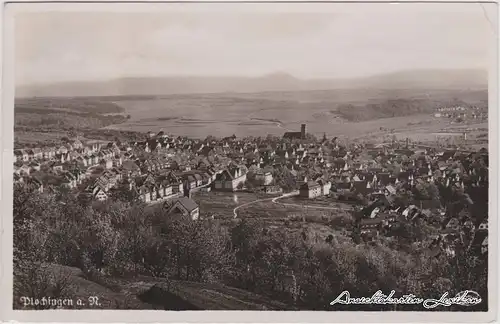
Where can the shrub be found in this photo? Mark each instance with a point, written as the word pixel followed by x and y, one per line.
pixel 37 280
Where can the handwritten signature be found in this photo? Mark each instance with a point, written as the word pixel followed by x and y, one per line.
pixel 463 298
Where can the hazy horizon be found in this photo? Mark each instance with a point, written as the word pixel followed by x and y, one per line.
pixel 52 46
pixel 270 74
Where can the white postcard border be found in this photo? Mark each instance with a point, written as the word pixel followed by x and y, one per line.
pixel 99 316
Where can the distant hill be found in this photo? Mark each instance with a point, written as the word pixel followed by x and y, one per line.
pixel 431 79
pixel 407 106
pixel 418 79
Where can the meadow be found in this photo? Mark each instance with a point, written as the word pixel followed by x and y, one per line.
pixel 260 114
pixel 296 218
pixel 352 114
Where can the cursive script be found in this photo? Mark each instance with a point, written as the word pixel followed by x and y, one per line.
pixel 463 298
pixel 378 298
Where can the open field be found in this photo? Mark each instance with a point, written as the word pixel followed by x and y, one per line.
pixel 223 203
pixel 421 128
pixel 274 212
pixel 246 114
pixel 320 202
pixel 29 136
pixel 318 223
pixel 255 114
pixel 42 121
pixel 76 105
pixel 67 112
pixel 25 136
pixel 274 215
pixel 294 219
pixel 314 222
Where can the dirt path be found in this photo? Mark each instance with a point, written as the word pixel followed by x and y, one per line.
pixel 235 210
pixel 275 201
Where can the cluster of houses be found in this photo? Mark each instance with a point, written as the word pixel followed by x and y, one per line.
pixel 455 176
pixel 52 167
pixel 165 168
pixel 452 232
pixel 474 113
pixel 98 170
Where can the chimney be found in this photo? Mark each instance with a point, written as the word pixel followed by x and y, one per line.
pixel 303 131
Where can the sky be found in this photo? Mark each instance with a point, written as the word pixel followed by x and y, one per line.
pixel 339 41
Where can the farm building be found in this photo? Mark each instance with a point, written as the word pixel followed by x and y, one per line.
pixel 263 177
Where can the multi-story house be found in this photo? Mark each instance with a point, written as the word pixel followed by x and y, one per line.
pixel 230 179
pixel 190 182
pixel 325 186
pixel 21 155
pixel 106 163
pixel 77 144
pixel 48 153
pixel 24 169
pixel 263 177
pixel 311 189
pixel 31 154
pixel 199 179
pixel 99 193
pixel 183 207
pixel 68 180
pixel 34 165
pixel 62 150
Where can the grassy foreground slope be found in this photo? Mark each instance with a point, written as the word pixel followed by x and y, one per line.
pixel 144 292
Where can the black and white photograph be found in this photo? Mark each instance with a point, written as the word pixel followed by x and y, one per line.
pixel 268 157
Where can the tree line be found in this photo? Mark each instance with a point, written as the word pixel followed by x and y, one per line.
pixel 303 269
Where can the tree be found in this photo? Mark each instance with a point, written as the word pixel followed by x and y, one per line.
pixel 34 248
pixel 37 281
pixel 284 179
pixel 311 138
pixel 157 255
pixel 72 132
pixel 212 138
pixel 271 138
pixel 426 191
pixel 119 238
pixel 249 185
pixel 341 221
pixel 123 193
